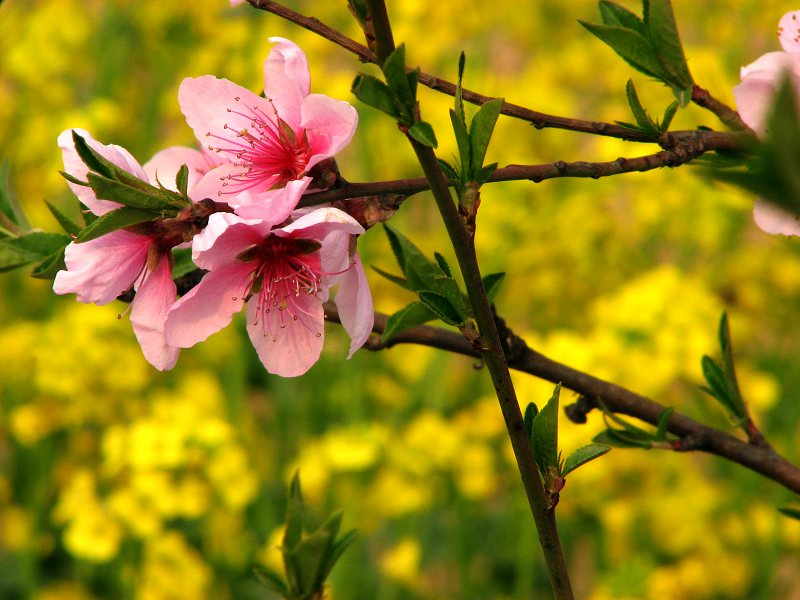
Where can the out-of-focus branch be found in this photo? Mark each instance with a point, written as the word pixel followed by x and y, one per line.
pixel 538 119
pixel 702 97
pixel 686 146
pixel 693 435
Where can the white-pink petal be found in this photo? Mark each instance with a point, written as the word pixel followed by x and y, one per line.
pixel 293 349
pixel 101 269
pixel 273 206
pixel 73 165
pixel 149 309
pixel 329 125
pixel 209 306
pixel 165 164
pixel 286 79
pixel 789 32
pixel 226 235
pixel 775 220
pixel 354 301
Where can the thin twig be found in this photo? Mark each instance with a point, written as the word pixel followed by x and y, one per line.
pixel 693 434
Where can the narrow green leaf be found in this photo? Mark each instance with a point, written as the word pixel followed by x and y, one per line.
pixel 621 439
pixel 394 69
pixel 375 93
pixel 182 180
pixel 114 220
pixel 109 189
pixel 309 556
pixel 420 272
pixel 491 283
pixel 401 281
pixel 412 77
pixel 660 22
pixel 463 143
pixel 792 512
pixel 669 114
pixel 639 113
pixel 66 223
pixel 480 133
pixel 634 48
pixel 10 207
pixel 423 133
pixel 440 260
pixel 583 455
pixel 530 414
pixel 337 550
pixel 459 100
pixel 614 14
pixel 409 316
pixel 485 173
pixel 51 265
pixel 450 171
pixel 545 434
pixel 729 369
pixel 663 423
pixel 441 306
pixel 272 580
pixel 90 158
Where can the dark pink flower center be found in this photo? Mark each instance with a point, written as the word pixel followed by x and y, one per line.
pixel 269 153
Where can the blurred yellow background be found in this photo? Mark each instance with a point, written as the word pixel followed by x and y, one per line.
pixel 120 482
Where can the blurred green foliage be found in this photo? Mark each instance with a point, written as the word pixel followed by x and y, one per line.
pixel 120 482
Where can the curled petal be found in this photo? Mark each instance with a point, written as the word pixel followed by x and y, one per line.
pixel 286 79
pixel 225 237
pixel 329 125
pixel 208 307
pixel 101 269
pixel 273 206
pixel 354 301
pixel 287 347
pixel 149 309
pixel 773 219
pixel 73 165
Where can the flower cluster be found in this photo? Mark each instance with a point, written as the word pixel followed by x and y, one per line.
pixel 258 156
pixel 754 96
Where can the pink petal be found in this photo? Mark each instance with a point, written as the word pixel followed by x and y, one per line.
pixel 273 206
pixel 789 32
pixel 760 79
pixel 354 301
pixel 773 219
pixel 148 312
pixel 224 238
pixel 212 183
pixel 209 306
pixel 291 350
pixel 329 124
pixel 73 165
pixel 101 269
pixel 286 79
pixel 164 166
pixel 218 109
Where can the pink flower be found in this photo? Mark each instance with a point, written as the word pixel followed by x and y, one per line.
pixel 103 268
pixel 754 97
pixel 270 141
pixel 283 274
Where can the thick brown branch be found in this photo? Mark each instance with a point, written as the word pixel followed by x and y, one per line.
pixel 694 435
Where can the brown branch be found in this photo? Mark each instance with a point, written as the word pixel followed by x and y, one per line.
pixel 685 147
pixel 693 434
pixel 703 98
pixel 539 119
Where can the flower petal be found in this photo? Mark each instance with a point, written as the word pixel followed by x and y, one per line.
pixel 329 125
pixel 164 166
pixel 101 269
pixel 225 236
pixel 73 165
pixel 286 79
pixel 209 306
pixel 291 348
pixel 789 32
pixel 773 219
pixel 149 309
pixel 354 301
pixel 273 206
pixel 217 110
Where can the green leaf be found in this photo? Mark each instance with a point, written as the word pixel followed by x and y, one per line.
pixel 114 220
pixel 530 414
pixel 92 160
pixel 66 223
pixel 792 512
pixel 663 423
pixel 423 133
pixel 643 120
pixel 183 264
pixel 308 558
pixel 440 260
pixel 30 248
pixel 375 93
pixel 728 368
pixel 491 283
pixel 401 86
pixel 409 316
pixel 109 189
pixel 51 265
pixel 545 434
pixel 295 511
pixel 459 99
pixel 622 439
pixel 660 22
pixel 485 173
pixel 12 216
pixel 614 14
pixel 480 133
pixel 442 307
pixel 669 113
pixel 272 580
pixel 393 278
pixel 583 455
pixel 450 171
pixel 182 180
pixel 420 272
pixel 632 46
pixel 338 549
pixel 463 143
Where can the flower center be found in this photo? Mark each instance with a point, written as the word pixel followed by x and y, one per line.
pixel 269 153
